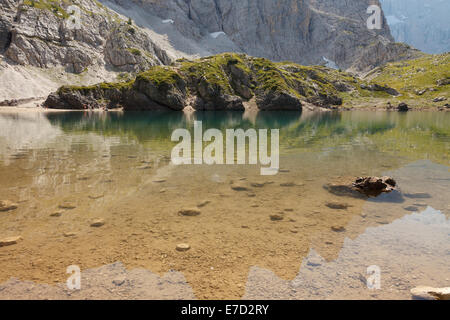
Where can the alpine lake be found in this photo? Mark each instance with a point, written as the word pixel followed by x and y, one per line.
pixel 98 190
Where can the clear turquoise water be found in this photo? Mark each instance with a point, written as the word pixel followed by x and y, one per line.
pixel 116 166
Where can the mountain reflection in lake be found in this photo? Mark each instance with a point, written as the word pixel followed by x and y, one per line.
pixel 116 167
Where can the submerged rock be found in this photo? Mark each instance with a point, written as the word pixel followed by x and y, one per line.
pixel 69 234
pixel 338 228
pixel 98 223
pixel 259 184
pixel 337 206
pixel 343 190
pixel 419 195
pixel 190 212
pixel 203 203
pixel 314 262
pixel 6 205
pixel 276 217
pixel 96 196
pixel 374 186
pixel 144 167
pixel 9 241
pixel 429 293
pixel 67 206
pixel 237 186
pixel 287 184
pixel 182 247
pixel 56 214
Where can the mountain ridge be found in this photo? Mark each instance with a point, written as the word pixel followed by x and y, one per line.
pixel 116 37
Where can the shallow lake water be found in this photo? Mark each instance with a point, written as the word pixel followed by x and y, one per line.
pixel 116 167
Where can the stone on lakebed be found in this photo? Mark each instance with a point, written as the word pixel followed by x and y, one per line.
pixel 190 212
pixel 182 247
pixel 6 205
pixel 98 223
pixel 9 241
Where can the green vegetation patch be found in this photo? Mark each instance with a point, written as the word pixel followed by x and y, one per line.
pixel 51 5
pixel 85 90
pixel 160 76
pixel 135 51
pixel 213 69
pixel 412 76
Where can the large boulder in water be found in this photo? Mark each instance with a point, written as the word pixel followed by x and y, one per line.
pixel 362 187
pixel 374 186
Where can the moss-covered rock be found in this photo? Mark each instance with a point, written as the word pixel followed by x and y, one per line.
pixel 164 86
pixel 222 82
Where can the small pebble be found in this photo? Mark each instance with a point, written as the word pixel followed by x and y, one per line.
pixel 337 206
pixel 338 228
pixel 239 187
pixel 67 206
pixel 9 241
pixel 118 282
pixel 69 234
pixel 98 223
pixel 96 196
pixel 145 167
pixel 287 184
pixel 6 205
pixel 182 247
pixel 276 217
pixel 203 203
pixel 190 212
pixel 56 214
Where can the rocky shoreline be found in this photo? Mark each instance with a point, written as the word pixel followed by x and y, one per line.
pixel 221 82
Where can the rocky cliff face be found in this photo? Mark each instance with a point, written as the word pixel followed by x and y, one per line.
pixel 50 33
pixel 422 24
pixel 303 31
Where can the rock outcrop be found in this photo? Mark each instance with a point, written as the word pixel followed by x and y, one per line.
pixel 309 32
pixel 221 82
pixel 74 34
pixel 8 12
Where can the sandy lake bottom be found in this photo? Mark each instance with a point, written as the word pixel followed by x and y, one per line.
pixel 98 190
